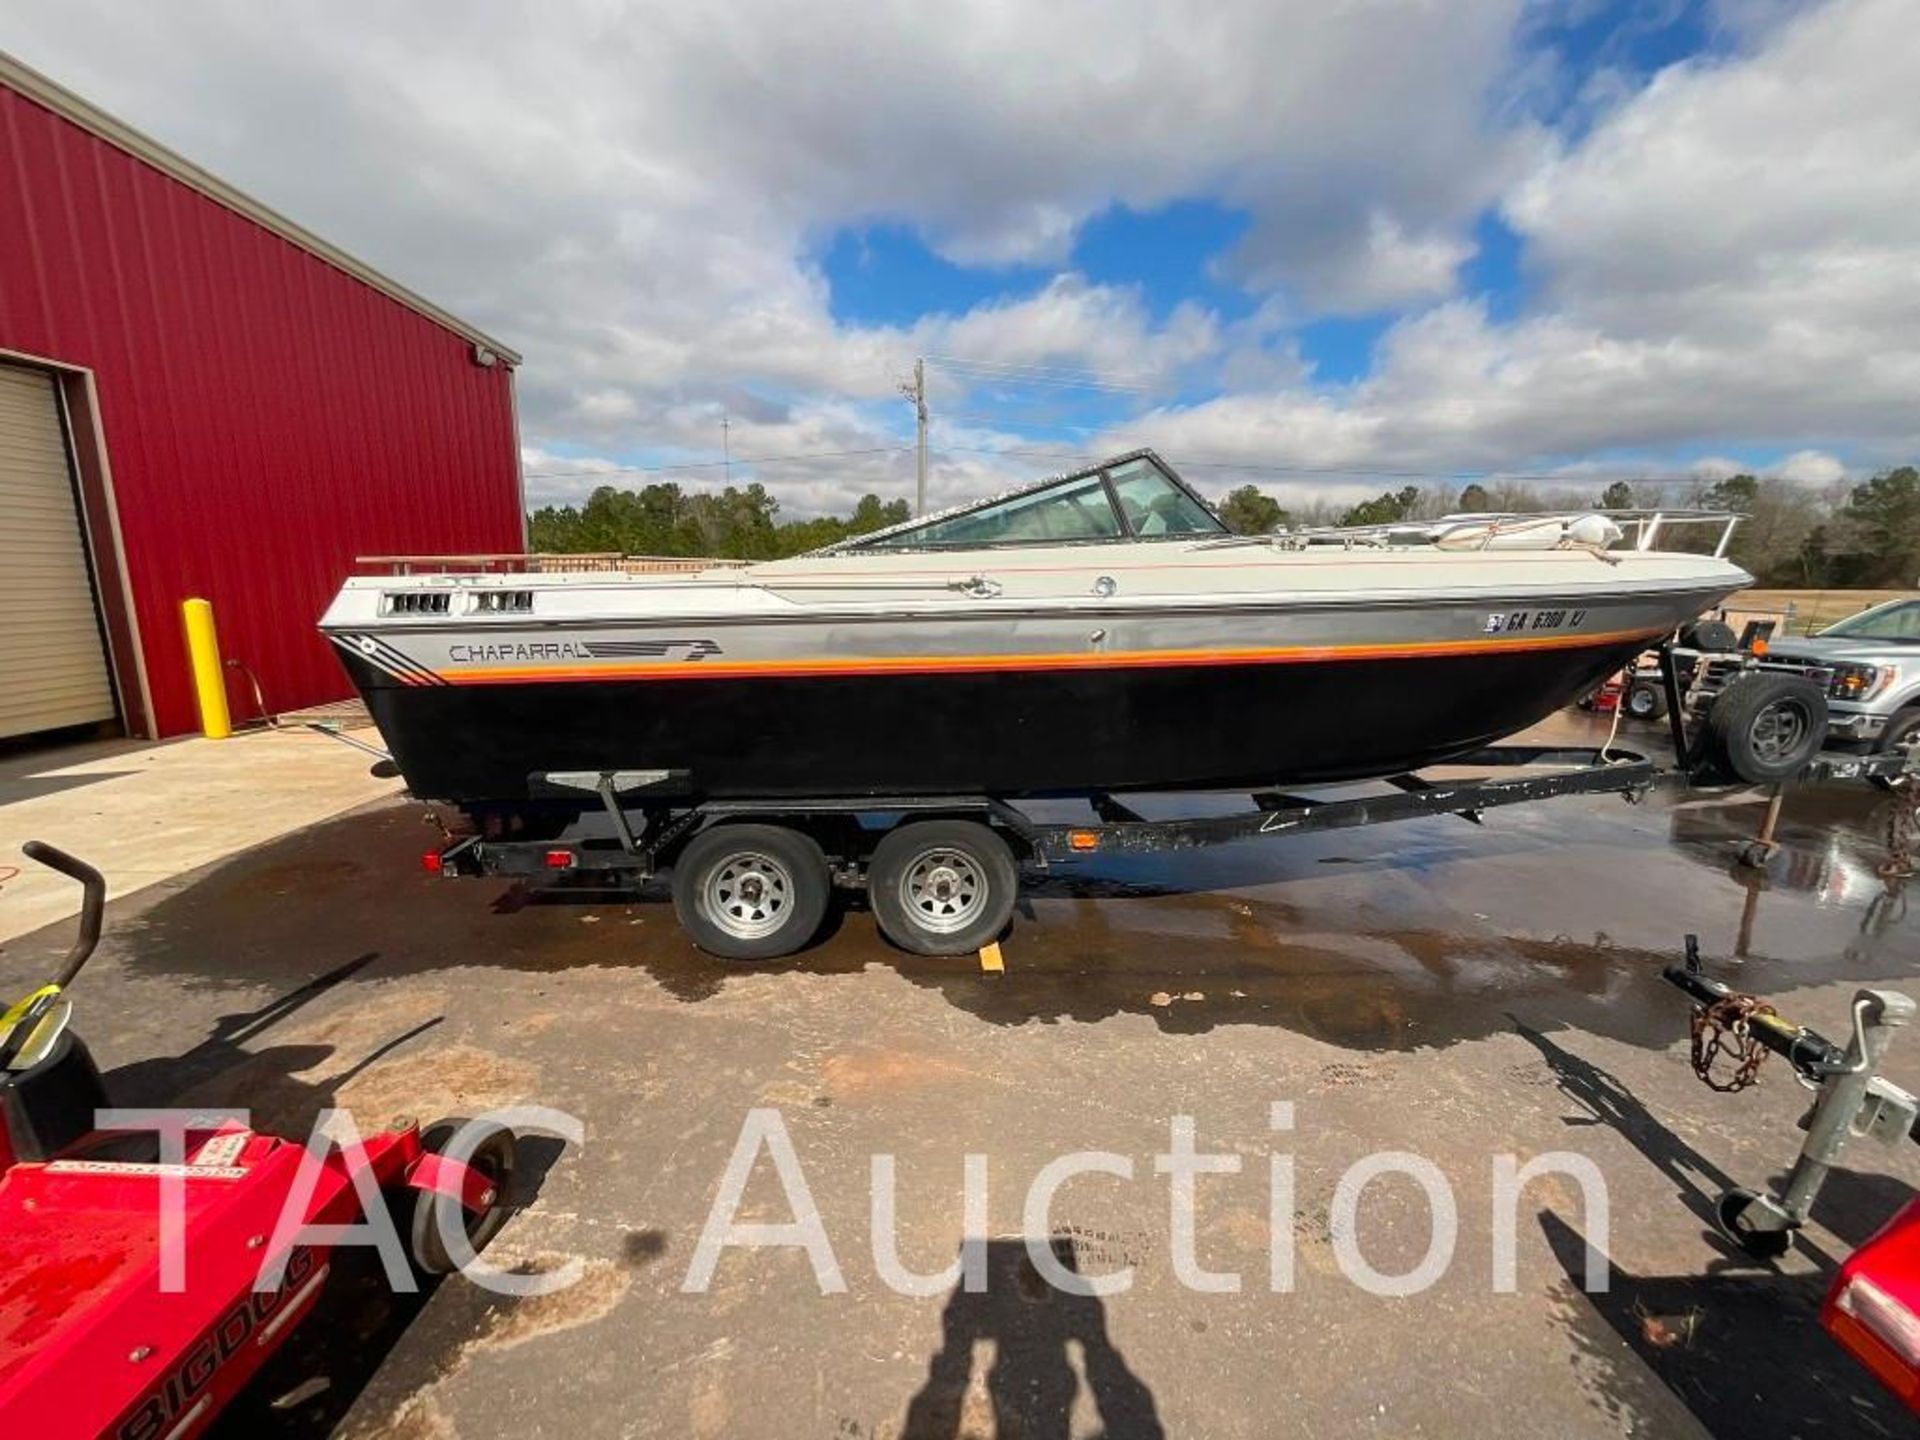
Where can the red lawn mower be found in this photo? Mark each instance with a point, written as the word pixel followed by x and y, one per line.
pixel 106 1332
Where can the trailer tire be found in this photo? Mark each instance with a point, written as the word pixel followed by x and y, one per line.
pixel 1729 1213
pixel 1767 727
pixel 1646 700
pixel 942 887
pixel 751 892
pixel 430 1213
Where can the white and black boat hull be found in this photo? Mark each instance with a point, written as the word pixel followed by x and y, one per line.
pixel 997 701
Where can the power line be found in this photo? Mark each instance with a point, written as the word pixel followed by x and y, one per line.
pixel 1030 367
pixel 1185 462
pixel 1058 376
pixel 717 464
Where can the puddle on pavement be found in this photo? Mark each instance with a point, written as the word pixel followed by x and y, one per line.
pixel 1407 935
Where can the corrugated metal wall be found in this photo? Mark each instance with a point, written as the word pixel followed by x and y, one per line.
pixel 267 417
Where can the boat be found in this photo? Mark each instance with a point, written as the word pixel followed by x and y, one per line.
pixel 1097 631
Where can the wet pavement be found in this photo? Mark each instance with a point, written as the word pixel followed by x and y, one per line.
pixel 1435 987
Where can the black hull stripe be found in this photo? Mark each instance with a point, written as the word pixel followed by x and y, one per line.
pixel 1031 732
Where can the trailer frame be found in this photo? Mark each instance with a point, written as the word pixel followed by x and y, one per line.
pixel 626 836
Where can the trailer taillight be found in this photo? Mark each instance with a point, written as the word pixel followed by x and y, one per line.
pixel 1883 1316
pixel 431 862
pixel 559 859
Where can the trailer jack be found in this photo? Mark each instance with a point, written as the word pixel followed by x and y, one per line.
pixel 1851 1098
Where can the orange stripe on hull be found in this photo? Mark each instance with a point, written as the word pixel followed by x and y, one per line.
pixel 975 664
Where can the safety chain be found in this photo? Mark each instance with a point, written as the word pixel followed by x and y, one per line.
pixel 1903 821
pixel 1723 1028
pixel 431 816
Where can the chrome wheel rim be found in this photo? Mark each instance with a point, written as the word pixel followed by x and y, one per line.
pixel 749 895
pixel 944 890
pixel 1778 731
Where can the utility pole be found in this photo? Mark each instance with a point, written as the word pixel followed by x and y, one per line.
pixel 917 392
pixel 726 445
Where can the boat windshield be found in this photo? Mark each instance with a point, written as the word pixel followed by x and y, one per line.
pixel 1154 505
pixel 1134 499
pixel 1898 621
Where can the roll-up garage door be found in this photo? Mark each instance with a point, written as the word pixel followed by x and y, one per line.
pixel 53 663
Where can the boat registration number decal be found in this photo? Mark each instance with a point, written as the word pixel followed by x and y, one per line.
pixel 1509 622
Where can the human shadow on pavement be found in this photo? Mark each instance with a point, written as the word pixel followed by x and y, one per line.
pixel 1030 1386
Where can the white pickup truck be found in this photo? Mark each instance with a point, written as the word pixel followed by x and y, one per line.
pixel 1869 666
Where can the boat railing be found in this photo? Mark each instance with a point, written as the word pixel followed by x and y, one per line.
pixel 1640 529
pixel 610 562
pixel 1644 526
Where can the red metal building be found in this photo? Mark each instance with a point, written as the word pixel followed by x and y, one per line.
pixel 200 398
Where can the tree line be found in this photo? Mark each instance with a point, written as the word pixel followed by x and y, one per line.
pixel 1865 535
pixel 737 523
pixel 1845 536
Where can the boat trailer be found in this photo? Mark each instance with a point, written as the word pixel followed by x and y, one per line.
pixel 752 877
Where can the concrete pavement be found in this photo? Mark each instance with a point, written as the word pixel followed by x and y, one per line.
pixel 1452 992
pixel 144 812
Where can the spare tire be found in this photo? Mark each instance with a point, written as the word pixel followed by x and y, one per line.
pixel 1713 636
pixel 1767 727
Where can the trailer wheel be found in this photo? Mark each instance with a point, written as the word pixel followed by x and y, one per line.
pixel 1646 700
pixel 751 892
pixel 1767 727
pixel 432 1214
pixel 942 887
pixel 1729 1213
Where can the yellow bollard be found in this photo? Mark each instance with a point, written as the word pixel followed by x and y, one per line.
pixel 209 678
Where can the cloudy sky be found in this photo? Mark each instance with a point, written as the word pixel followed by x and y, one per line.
pixel 1328 245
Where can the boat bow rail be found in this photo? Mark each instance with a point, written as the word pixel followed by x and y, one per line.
pixel 1573 529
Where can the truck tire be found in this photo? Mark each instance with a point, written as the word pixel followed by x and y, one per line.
pixel 942 887
pixel 1902 734
pixel 751 892
pixel 1767 727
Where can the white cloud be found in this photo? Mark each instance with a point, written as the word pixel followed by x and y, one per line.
pixel 1729 257
pixel 1811 468
pixel 1713 468
pixel 628 192
pixel 1733 252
